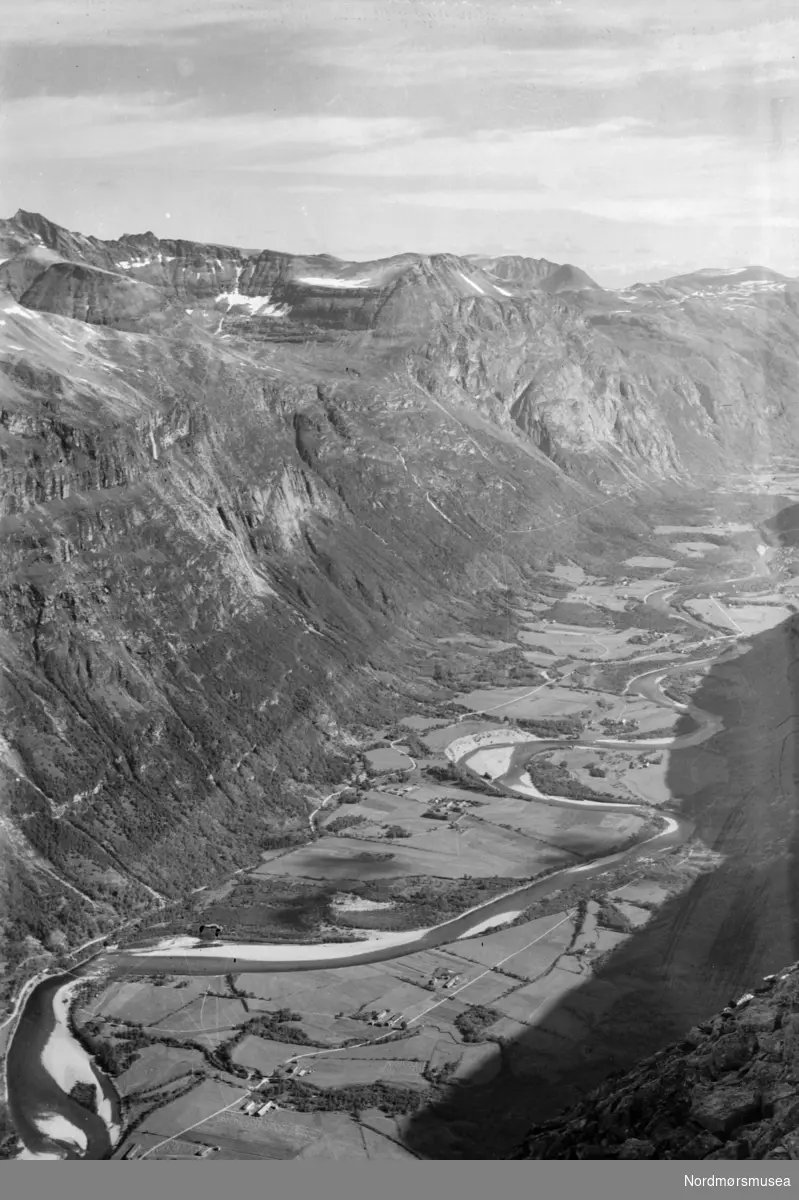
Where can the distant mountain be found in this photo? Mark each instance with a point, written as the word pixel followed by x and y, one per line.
pixel 318 289
pixel 710 277
pixel 710 284
pixel 535 273
pixel 27 231
pixel 568 279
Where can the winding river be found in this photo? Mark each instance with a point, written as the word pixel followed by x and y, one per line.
pixel 44 1060
pixel 43 1063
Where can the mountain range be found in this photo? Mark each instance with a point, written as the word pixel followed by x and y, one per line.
pixel 243 492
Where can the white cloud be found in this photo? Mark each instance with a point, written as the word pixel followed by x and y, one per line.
pixel 112 127
pixel 429 30
pixel 473 199
pixel 620 173
pixel 313 189
pixel 619 169
pixel 519 157
pixel 439 60
pixel 583 55
pixel 143 22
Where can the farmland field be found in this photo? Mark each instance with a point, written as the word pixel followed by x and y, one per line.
pixel 648 560
pixel 387 760
pixel 471 848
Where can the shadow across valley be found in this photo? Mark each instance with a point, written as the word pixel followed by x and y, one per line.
pixel 709 943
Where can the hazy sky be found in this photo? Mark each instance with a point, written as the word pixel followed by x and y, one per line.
pixel 636 138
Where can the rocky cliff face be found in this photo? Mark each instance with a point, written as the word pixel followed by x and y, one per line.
pixel 729 1090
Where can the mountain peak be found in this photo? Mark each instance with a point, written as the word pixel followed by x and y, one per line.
pixel 568 278
pixel 726 277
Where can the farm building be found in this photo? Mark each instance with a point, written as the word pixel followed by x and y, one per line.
pixel 270 1106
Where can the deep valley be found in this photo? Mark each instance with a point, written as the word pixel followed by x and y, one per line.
pixel 398 705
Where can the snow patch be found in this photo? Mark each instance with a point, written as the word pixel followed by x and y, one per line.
pixel 326 281
pixel 129 264
pixel 471 283
pixel 261 306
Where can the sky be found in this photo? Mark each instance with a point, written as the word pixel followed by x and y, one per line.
pixel 635 138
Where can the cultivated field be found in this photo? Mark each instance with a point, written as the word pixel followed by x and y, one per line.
pixel 277 1135
pixel 712 612
pixel 471 848
pixel 756 618
pixel 126 1000
pixel 439 739
pixel 719 530
pixel 695 549
pixel 156 1066
pixel 387 760
pixel 648 560
pixel 634 775
pixel 581 643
